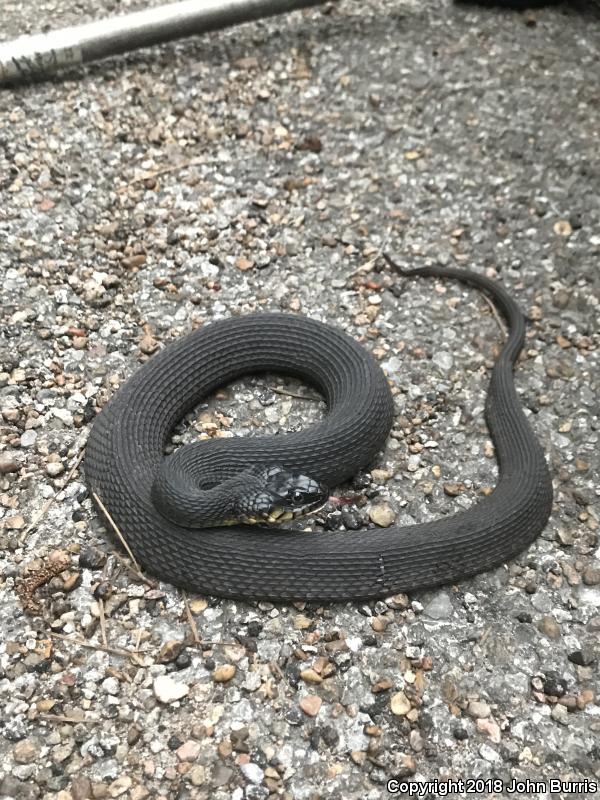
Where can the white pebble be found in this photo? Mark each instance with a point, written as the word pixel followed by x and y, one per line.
pixel 167 690
pixel 111 685
pixel 413 463
pixel 443 360
pixel 252 772
pixel 28 438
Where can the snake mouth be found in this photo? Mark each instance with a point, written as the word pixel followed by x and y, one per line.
pixel 276 495
pixel 279 514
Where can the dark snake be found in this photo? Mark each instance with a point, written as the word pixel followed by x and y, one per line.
pixel 125 452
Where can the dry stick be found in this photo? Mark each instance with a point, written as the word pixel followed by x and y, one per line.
pixel 117 651
pixel 103 623
pixel 48 504
pixel 117 531
pixel 368 264
pixel 493 308
pixel 495 314
pixel 72 720
pixel 118 674
pixel 278 390
pixel 485 635
pixel 194 162
pixel 202 642
pixel 191 620
pixel 133 570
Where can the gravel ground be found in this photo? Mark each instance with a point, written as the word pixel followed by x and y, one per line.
pixel 263 168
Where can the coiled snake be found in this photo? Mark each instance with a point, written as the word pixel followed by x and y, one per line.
pixel 125 450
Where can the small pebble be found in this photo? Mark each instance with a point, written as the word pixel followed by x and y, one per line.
pixel 311 704
pixel 189 751
pixel 197 775
pixel 582 657
pixel 560 714
pixel 167 690
pixel 28 438
pixel 443 359
pixel 554 684
pixel 563 227
pixel 310 676
pixel 549 626
pixel 400 704
pixel 490 728
pixel 440 606
pixel 81 788
pixel 224 673
pixel 591 575
pixel 120 786
pixel 460 733
pixel 170 651
pixel 453 489
pixel 380 475
pixel 252 772
pixel 8 463
pixel 148 345
pixel 55 468
pixel 478 709
pixel 25 751
pixel 382 515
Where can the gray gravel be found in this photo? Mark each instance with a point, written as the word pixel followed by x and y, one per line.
pixel 263 168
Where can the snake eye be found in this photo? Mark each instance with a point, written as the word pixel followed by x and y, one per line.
pixel 297 496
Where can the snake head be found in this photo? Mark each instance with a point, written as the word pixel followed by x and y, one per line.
pixel 283 495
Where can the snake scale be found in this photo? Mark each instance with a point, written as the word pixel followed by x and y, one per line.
pixel 127 441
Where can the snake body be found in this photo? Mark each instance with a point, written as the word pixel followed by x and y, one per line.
pixel 126 445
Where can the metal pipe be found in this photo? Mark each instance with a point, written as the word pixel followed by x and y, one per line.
pixel 38 56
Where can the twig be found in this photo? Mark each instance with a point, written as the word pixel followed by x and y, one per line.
pixel 194 162
pixel 118 674
pixel 133 570
pixel 191 620
pixel 116 530
pixel 50 502
pixel 495 314
pixel 276 669
pixel 103 623
pixel 368 264
pixel 485 635
pixel 278 390
pixel 117 651
pixel 132 654
pixel 204 642
pixel 395 266
pixel 72 720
